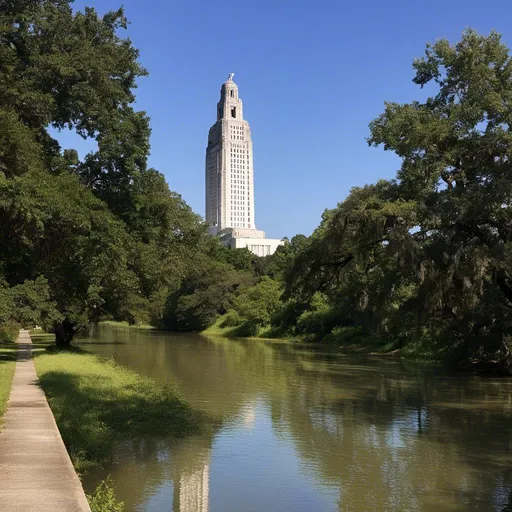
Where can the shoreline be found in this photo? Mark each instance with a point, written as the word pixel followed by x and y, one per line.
pixel 414 352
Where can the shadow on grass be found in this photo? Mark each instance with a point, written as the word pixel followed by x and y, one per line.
pixel 42 337
pixel 96 402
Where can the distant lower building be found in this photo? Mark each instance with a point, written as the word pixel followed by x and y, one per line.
pixel 230 178
pixel 253 239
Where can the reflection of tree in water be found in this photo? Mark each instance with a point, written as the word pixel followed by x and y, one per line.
pixel 389 436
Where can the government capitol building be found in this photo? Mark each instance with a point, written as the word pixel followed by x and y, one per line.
pixel 229 177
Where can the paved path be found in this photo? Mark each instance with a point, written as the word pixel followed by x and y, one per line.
pixel 36 474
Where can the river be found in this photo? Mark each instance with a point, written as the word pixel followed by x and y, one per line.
pixel 306 429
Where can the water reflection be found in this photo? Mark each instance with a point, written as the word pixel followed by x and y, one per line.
pixel 297 428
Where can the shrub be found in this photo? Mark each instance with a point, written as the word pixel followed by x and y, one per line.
pixel 260 303
pixel 231 319
pixel 319 318
pixel 345 335
pixel 104 498
pixel 9 332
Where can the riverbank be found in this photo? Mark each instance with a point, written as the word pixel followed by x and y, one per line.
pixel 353 344
pixel 97 402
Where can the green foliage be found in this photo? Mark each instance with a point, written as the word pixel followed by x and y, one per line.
pixel 27 304
pixel 318 319
pixel 96 402
pixel 7 366
pixel 65 232
pixel 345 335
pixel 240 259
pixel 231 319
pixel 208 291
pixel 104 498
pixel 259 304
pixel 9 332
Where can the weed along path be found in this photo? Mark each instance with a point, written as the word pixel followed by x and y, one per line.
pixel 36 474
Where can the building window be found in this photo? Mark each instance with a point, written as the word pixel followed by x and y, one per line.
pixel 233 112
pixel 232 93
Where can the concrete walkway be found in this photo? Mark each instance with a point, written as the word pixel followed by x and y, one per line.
pixel 36 474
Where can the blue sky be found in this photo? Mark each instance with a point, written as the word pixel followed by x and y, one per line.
pixel 311 74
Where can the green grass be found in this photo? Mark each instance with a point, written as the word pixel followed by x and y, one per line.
pixel 96 402
pixel 219 328
pixel 7 364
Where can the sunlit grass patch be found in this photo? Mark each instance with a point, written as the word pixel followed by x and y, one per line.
pixel 96 402
pixel 7 365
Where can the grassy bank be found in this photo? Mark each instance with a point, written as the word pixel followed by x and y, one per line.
pixel 96 402
pixel 7 364
pixel 344 340
pixel 223 327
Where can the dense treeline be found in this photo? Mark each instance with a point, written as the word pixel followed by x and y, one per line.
pixel 421 262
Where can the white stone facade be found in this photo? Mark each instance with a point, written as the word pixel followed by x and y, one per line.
pixel 259 247
pixel 252 239
pixel 229 166
pixel 230 177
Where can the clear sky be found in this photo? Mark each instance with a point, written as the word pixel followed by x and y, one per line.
pixel 311 74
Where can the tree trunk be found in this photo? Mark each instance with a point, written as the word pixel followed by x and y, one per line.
pixel 502 280
pixel 64 332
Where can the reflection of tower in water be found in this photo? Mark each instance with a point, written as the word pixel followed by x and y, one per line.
pixel 249 415
pixel 194 490
pixel 191 474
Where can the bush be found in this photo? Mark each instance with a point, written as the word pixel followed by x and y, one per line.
pixel 231 319
pixel 249 329
pixel 260 303
pixel 104 498
pixel 9 332
pixel 319 318
pixel 345 335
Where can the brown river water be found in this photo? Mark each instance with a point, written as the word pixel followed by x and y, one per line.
pixel 301 428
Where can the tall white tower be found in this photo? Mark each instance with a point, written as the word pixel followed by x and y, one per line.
pixel 230 178
pixel 229 165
